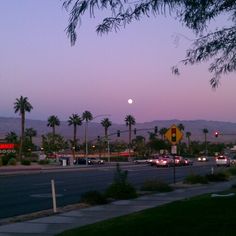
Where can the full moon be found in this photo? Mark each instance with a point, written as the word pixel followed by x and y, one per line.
pixel 130 101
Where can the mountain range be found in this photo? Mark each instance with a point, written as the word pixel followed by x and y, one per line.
pixel 227 130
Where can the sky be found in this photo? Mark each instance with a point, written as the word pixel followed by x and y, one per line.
pixel 100 73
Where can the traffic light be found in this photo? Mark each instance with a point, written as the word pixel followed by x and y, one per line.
pixel 173 134
pixel 135 131
pixel 155 129
pixel 216 134
pixel 118 133
pixel 98 138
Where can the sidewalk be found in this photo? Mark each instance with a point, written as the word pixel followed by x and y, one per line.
pixel 55 224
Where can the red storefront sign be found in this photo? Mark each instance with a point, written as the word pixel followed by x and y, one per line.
pixel 4 146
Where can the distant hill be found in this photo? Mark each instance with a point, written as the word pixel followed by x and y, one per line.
pixel 96 129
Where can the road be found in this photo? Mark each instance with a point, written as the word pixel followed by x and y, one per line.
pixel 28 193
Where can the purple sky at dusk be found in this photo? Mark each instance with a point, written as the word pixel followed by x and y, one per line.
pixel 100 74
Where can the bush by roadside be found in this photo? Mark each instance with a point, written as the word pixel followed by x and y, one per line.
pixel 217 177
pixel 93 198
pixel 25 162
pixel 120 188
pixel 5 158
pixel 44 162
pixel 12 161
pixel 232 171
pixel 195 179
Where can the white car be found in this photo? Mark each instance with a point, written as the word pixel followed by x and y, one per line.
pixel 222 160
pixel 164 161
pixel 141 161
pixel 202 158
pixel 94 160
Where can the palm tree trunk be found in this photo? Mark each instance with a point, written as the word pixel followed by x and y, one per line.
pixel 86 143
pixel 22 134
pixel 53 131
pixel 75 131
pixel 53 137
pixel 189 147
pixel 74 142
pixel 129 141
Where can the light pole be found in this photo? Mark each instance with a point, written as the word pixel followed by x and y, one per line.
pixel 73 149
pixel 108 149
pixel 86 135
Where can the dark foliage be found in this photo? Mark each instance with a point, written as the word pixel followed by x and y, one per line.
pixel 120 188
pixel 218 45
pixel 217 177
pixel 93 198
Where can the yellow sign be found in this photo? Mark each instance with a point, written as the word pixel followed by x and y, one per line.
pixel 173 135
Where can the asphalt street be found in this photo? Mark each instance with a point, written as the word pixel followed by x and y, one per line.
pixel 22 194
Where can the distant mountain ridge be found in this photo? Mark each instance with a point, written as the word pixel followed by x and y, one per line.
pixel 227 130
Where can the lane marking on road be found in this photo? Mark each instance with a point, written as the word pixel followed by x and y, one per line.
pixel 49 183
pixel 45 195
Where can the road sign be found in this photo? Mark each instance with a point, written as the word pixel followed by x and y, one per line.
pixel 173 135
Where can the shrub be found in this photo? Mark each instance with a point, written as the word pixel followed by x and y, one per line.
pixel 26 162
pixel 156 185
pixel 44 162
pixel 221 176
pixel 121 191
pixel 233 186
pixel 195 179
pixel 12 162
pixel 5 159
pixel 232 171
pixel 93 198
pixel 34 159
pixel 120 188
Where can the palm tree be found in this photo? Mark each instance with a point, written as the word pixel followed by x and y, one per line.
pixel 106 123
pixel 11 137
pixel 181 127
pixel 30 132
pixel 162 132
pixel 22 106
pixel 188 135
pixel 75 120
pixel 53 121
pixel 87 116
pixel 205 132
pixel 130 120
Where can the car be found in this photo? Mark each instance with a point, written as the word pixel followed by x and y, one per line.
pixel 164 161
pixel 153 159
pixel 140 161
pixel 179 161
pixel 188 162
pixel 80 161
pixel 202 158
pixel 222 160
pixel 95 160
